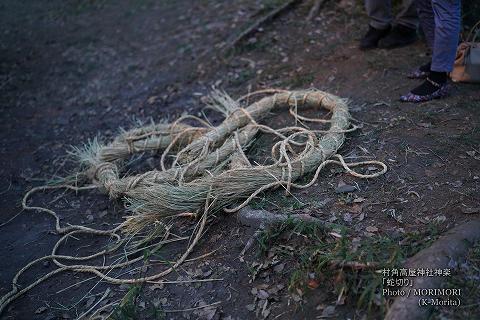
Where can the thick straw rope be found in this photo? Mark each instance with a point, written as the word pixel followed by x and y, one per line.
pixel 210 171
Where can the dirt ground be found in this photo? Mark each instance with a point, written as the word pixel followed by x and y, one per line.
pixel 71 70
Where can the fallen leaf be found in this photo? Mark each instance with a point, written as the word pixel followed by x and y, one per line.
pixel 157 286
pixel 41 310
pixel 371 229
pixel 328 312
pixel 250 307
pixel 296 297
pixel 356 208
pixel 424 124
pixel 279 267
pixel 152 99
pixel 335 235
pixel 265 310
pixel 262 294
pixel 361 216
pixel 342 187
pixel 440 219
pixel 313 284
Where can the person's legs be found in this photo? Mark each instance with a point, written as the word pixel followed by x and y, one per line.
pixel 427 20
pixel 407 16
pixel 447 29
pixel 443 38
pixel 404 29
pixel 380 13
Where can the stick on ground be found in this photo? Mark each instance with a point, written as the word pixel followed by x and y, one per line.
pixel 263 218
pixel 315 9
pixel 259 22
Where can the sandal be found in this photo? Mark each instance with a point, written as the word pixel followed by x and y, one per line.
pixel 418 74
pixel 442 91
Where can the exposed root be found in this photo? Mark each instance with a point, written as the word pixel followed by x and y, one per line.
pixel 315 9
pixel 452 246
pixel 260 22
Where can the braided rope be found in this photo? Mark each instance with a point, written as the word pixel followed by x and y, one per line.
pixel 196 182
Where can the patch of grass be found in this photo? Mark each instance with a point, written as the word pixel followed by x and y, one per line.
pixel 278 201
pixel 318 256
pixel 127 309
pixel 271 236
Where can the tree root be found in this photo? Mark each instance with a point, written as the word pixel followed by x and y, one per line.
pixel 270 16
pixel 315 9
pixel 452 246
pixel 253 28
pixel 262 218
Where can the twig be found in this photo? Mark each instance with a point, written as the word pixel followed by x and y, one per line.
pixel 191 309
pixel 353 264
pixel 107 292
pixel 315 9
pixel 186 281
pixel 259 22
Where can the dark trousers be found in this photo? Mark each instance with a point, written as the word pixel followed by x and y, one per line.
pixel 380 13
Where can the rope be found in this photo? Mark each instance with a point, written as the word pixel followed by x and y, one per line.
pixel 197 182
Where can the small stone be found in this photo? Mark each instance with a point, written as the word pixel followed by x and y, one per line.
pixel 344 188
pixel 347 217
pixel 328 311
pixel 262 294
pixel 279 267
pixel 296 297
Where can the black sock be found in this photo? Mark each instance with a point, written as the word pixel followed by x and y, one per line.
pixel 425 67
pixel 438 77
pixel 427 87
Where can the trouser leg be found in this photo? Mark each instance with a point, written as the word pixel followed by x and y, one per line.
pixel 380 13
pixel 427 20
pixel 447 15
pixel 408 16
